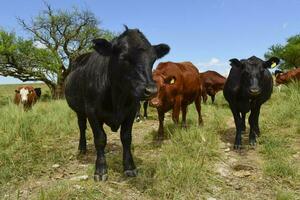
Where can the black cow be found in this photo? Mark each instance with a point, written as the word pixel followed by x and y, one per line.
pixel 38 92
pixel 106 85
pixel 138 115
pixel 248 86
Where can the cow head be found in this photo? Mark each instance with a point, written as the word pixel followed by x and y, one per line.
pixel 165 86
pixel 38 92
pixel 24 94
pixel 252 72
pixel 132 58
pixel 280 77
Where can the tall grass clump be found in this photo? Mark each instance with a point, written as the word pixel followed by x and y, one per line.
pixel 281 127
pixel 185 169
pixel 32 141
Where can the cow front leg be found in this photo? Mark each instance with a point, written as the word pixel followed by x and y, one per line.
pixel 161 117
pixel 126 138
pixel 238 125
pixel 254 129
pixel 100 143
pixel 81 119
pixel 243 122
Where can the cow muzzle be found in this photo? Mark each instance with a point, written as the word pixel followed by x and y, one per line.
pixel 150 91
pixel 254 91
pixel 154 102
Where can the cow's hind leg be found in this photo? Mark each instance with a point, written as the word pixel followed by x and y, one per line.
pixel 128 163
pixel 100 143
pixel 138 113
pixel 254 129
pixel 184 110
pixel 212 99
pixel 81 119
pixel 198 108
pixel 161 117
pixel 145 109
pixel 176 110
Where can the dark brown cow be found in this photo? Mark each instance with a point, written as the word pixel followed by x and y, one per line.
pixel 212 82
pixel 25 95
pixel 286 77
pixel 178 86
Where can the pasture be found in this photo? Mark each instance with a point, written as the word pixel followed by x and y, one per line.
pixel 39 157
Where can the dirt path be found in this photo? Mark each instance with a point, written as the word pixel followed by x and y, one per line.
pixel 242 170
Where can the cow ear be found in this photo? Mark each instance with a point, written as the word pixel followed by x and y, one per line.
pixel 235 62
pixel 102 46
pixel 161 50
pixel 272 62
pixel 170 80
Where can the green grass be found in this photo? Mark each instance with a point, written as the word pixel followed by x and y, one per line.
pixel 31 141
pixel 282 130
pixel 182 167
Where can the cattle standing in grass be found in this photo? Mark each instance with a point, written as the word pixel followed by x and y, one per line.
pixel 248 86
pixel 178 86
pixel 138 113
pixel 212 82
pixel 106 86
pixel 286 77
pixel 26 96
pixel 38 92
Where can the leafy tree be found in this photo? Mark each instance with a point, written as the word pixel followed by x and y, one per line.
pixel 289 53
pixel 57 38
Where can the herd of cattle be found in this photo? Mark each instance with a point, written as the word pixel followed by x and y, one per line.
pixel 107 85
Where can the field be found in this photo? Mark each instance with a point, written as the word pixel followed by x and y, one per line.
pixel 39 157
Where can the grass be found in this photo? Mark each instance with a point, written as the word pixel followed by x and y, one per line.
pixel 182 167
pixel 30 141
pixel 283 130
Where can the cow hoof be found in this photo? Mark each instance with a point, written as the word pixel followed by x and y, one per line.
pixel 138 119
pixel 99 177
pixel 237 147
pixel 252 143
pixel 131 173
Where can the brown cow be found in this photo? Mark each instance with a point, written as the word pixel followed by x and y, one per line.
pixel 178 86
pixel 25 95
pixel 286 77
pixel 212 82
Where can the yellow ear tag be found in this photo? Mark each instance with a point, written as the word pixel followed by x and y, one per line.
pixel 273 64
pixel 172 81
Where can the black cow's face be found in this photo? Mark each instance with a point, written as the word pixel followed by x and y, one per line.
pixel 132 60
pixel 252 72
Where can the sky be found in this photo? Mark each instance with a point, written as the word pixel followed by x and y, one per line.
pixel 206 32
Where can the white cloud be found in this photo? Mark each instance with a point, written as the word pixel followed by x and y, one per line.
pixel 213 62
pixel 39 45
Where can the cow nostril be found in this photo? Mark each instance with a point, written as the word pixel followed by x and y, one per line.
pixel 254 91
pixel 149 91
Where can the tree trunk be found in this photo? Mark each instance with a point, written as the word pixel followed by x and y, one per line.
pixel 58 91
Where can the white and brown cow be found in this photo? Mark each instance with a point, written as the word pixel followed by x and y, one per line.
pixel 26 96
